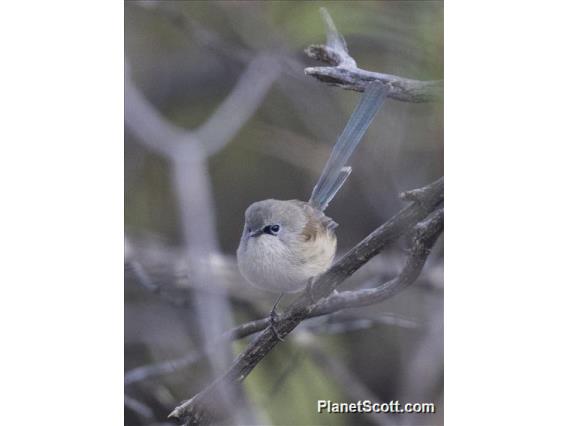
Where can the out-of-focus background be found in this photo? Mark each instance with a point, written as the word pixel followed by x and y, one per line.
pixel 184 60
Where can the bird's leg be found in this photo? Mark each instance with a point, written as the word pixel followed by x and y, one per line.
pixel 274 319
pixel 309 290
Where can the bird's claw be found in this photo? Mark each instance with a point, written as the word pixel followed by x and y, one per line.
pixel 274 319
pixel 309 290
pixel 273 322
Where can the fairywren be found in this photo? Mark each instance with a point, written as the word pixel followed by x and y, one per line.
pixel 286 243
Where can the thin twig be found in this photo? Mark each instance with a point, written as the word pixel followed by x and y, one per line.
pixel 347 323
pixel 344 72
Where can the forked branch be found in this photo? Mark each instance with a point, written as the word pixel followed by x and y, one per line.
pixel 343 71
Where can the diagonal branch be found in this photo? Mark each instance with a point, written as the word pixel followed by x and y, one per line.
pixel 202 409
pixel 344 72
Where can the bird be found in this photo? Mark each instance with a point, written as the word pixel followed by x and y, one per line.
pixel 285 244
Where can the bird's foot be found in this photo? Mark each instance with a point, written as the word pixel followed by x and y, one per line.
pixel 274 319
pixel 309 290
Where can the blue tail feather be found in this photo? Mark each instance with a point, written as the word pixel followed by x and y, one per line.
pixel 335 173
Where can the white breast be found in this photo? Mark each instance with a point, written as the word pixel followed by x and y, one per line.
pixel 270 265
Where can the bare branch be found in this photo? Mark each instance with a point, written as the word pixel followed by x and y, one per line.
pixel 336 42
pixel 201 409
pixel 344 72
pixel 426 234
pixel 161 368
pixel 339 323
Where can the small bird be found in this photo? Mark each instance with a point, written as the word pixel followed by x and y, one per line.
pixel 285 244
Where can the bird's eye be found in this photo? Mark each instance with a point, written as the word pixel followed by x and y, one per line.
pixel 271 229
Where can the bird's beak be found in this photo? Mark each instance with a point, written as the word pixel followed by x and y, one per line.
pixel 253 234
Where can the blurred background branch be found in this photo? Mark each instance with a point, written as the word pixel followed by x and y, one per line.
pixel 356 389
pixel 187 153
pixel 139 408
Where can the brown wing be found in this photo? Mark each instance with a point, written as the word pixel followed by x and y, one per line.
pixel 318 223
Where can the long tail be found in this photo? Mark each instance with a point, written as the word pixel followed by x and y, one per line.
pixel 335 173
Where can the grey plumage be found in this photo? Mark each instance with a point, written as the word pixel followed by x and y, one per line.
pixel 304 246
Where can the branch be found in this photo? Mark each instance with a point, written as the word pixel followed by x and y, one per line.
pixel 426 234
pixel 344 72
pixel 340 323
pixel 202 408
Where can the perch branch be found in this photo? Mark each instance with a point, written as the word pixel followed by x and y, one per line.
pixel 426 233
pixel 344 72
pixel 202 409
